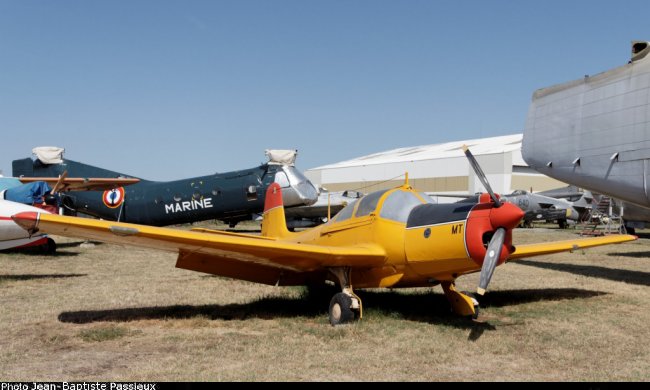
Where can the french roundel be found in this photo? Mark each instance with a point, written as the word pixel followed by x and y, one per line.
pixel 113 198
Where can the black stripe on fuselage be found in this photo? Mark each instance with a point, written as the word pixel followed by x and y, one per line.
pixel 434 214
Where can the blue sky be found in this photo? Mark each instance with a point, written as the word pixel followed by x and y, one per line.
pixel 171 89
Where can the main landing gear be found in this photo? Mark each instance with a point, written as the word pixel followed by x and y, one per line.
pixel 461 304
pixel 345 306
pixel 49 248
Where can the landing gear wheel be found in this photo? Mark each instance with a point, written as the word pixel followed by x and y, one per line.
pixel 341 309
pixel 562 223
pixel 49 248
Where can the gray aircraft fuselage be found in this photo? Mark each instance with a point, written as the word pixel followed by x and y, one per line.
pixel 231 197
pixel 595 132
pixel 540 207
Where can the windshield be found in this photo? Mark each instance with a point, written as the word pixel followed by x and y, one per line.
pixel 369 203
pixel 346 213
pixel 398 205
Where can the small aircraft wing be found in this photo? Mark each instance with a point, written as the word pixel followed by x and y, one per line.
pixel 225 250
pixel 81 184
pixel 531 250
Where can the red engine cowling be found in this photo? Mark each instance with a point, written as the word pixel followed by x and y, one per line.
pixel 483 220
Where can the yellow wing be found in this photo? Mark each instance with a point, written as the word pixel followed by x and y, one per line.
pixel 530 250
pixel 241 256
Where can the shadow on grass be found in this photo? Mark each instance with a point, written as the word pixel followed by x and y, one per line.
pixel 36 276
pixel 434 308
pixel 422 307
pixel 638 255
pixel 617 275
pixel 35 251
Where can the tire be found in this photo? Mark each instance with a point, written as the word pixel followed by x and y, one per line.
pixel 340 309
pixel 49 248
pixel 562 223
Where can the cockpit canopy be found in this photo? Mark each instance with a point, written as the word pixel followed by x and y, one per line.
pixel 394 204
pixel 297 190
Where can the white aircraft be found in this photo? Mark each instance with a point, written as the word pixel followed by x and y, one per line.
pixel 12 235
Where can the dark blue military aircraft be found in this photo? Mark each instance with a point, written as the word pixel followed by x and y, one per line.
pixel 231 197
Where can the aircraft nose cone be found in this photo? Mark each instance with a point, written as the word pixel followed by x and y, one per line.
pixel 27 220
pixel 506 216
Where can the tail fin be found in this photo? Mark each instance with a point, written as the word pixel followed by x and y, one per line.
pixel 274 223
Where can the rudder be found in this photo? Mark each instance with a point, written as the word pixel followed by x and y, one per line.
pixel 274 223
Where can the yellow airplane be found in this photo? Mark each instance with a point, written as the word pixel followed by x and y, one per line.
pixel 391 238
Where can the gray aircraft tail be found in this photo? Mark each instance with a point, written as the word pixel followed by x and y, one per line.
pixel 36 168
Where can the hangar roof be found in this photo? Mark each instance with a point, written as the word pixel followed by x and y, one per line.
pixel 481 146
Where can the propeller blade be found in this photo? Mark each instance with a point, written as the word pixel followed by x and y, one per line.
pixel 491 258
pixel 59 182
pixel 481 175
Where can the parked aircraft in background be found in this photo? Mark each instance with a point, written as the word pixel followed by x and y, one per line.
pixel 390 238
pixel 40 196
pixel 11 235
pixel 594 132
pixel 326 207
pixel 231 196
pixel 537 207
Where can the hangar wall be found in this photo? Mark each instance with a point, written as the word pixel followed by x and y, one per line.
pixel 439 168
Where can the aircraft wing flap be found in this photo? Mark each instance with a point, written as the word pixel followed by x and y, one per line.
pixel 530 250
pixel 269 253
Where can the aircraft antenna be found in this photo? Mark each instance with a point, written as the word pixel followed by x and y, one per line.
pixel 329 214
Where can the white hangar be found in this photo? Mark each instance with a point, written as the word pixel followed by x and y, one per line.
pixel 438 168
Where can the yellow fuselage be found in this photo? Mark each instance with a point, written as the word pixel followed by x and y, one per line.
pixel 417 256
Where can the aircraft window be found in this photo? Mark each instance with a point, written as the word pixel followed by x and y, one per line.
pixel 398 205
pixel 282 179
pixel 196 195
pixel 368 203
pixel 346 213
pixel 216 192
pixel 251 193
pixel 427 198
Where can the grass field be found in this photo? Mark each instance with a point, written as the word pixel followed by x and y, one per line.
pixel 109 312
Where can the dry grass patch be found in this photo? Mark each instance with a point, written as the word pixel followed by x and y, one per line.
pixel 109 312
